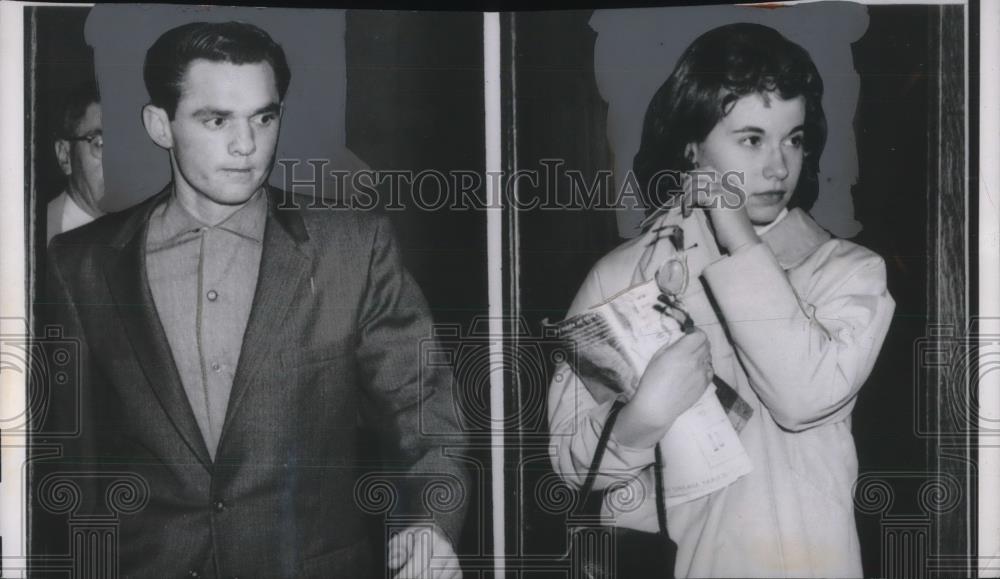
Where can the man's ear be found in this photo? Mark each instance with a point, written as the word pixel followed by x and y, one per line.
pixel 63 156
pixel 157 125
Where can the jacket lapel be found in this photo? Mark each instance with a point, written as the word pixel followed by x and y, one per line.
pixel 125 272
pixel 795 238
pixel 284 265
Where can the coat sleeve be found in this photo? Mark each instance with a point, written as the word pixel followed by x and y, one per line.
pixel 414 399
pixel 576 419
pixel 64 428
pixel 807 354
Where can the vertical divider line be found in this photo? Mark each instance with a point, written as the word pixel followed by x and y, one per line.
pixel 13 290
pixel 494 249
pixel 514 281
pixel 988 292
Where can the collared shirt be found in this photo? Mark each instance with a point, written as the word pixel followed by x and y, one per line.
pixel 202 279
pixel 63 214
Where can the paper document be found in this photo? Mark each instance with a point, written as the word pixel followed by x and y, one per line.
pixel 613 343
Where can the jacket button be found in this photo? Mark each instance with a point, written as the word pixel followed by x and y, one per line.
pixel 219 506
pixel 193 573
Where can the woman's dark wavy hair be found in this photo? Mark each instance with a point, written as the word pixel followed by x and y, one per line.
pixel 720 67
pixel 167 60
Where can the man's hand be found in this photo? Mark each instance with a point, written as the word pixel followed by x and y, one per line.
pixel 733 229
pixel 674 380
pixel 423 553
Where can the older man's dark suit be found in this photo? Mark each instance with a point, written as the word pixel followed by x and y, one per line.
pixel 333 340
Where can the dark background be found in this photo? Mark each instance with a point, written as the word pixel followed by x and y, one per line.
pixel 64 60
pixel 414 102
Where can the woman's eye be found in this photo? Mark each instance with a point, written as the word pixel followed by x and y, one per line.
pixel 795 141
pixel 750 141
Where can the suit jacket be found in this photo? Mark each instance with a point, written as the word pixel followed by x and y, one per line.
pixel 333 343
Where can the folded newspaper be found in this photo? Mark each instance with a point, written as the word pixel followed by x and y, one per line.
pixel 613 344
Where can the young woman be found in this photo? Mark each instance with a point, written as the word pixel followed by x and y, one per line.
pixel 790 317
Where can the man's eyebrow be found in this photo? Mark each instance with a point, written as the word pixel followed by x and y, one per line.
pixel 210 112
pixel 272 108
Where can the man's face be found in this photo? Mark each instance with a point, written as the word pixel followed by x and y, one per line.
pixel 762 138
pixel 224 132
pixel 81 161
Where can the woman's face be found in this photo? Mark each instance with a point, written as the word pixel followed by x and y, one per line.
pixel 761 140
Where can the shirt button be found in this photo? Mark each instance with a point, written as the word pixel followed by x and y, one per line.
pixel 213 295
pixel 193 573
pixel 219 506
pixel 215 366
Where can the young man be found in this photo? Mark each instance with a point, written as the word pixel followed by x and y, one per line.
pixel 233 345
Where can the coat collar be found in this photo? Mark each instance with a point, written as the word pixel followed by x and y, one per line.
pixel 792 239
pixel 795 238
pixel 285 260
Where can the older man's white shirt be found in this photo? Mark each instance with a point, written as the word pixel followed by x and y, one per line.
pixel 64 214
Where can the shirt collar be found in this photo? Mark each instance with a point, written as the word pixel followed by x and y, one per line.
pixel 246 222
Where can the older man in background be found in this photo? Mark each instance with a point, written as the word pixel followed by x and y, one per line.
pixel 78 149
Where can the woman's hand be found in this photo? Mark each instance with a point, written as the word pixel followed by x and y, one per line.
pixel 727 209
pixel 675 379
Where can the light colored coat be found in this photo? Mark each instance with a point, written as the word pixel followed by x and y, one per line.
pixel 806 316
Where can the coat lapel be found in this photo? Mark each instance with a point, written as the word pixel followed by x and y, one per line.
pixel 795 238
pixel 125 272
pixel 284 265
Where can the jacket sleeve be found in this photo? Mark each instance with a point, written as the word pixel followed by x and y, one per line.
pixel 64 427
pixel 576 419
pixel 807 354
pixel 414 399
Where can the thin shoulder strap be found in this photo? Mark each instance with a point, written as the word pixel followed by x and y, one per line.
pixel 602 445
pixel 661 506
pixel 595 465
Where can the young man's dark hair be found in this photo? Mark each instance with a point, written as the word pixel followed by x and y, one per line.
pixel 720 67
pixel 167 60
pixel 74 106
